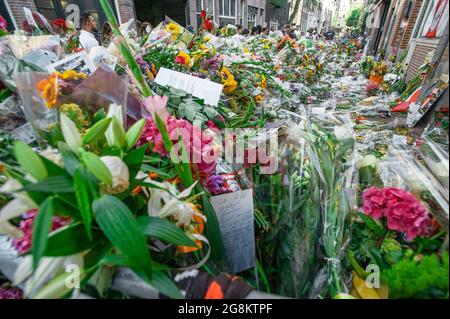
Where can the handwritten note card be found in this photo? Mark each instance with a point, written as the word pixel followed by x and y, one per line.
pixel 235 215
pixel 201 88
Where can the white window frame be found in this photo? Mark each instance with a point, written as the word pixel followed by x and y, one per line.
pixel 222 5
pixel 209 13
pixel 251 17
pixel 274 24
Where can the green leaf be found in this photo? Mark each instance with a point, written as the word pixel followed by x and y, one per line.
pixel 70 240
pixel 134 160
pixel 119 133
pixel 41 228
pixel 52 168
pixel 97 167
pixel 165 230
pixel 83 199
pixel 58 288
pixel 190 111
pixel 134 133
pixel 124 261
pixel 71 161
pixel 30 161
pixel 120 227
pixel 212 229
pixel 161 281
pixel 53 184
pixel 372 224
pixel 96 131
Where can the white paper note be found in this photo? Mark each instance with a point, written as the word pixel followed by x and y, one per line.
pixel 235 215
pixel 29 17
pixel 201 88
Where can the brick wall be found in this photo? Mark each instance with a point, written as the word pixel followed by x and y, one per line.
pixel 411 22
pixel 397 28
pixel 17 9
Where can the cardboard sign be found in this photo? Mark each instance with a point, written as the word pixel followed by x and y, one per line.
pixel 201 88
pixel 235 215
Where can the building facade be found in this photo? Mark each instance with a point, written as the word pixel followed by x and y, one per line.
pixel 13 11
pixel 277 13
pixel 247 13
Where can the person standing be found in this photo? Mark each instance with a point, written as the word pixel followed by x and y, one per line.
pixel 329 35
pixel 88 28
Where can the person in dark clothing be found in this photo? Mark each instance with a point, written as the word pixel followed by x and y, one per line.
pixel 245 32
pixel 329 35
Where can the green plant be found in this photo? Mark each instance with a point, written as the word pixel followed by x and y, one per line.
pixel 424 278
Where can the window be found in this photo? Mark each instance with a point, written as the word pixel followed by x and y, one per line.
pixel 207 5
pixel 251 16
pixel 273 24
pixel 227 8
pixel 261 18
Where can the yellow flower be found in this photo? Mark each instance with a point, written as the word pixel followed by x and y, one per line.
pixel 229 86
pixel 246 50
pixel 183 58
pixel 72 75
pixel 263 81
pixel 50 90
pixel 173 28
pixel 259 98
pixel 207 37
pixel 225 74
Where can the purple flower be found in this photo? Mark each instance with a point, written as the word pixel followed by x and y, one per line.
pixel 10 293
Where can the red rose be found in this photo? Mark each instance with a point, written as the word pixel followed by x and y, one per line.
pixel 203 14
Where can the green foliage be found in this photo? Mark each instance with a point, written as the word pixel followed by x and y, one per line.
pixel 353 19
pixel 426 278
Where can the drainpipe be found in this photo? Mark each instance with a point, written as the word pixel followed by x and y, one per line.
pixel 383 20
pixel 187 12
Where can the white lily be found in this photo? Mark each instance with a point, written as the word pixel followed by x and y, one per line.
pixel 48 269
pixel 71 134
pixel 19 205
pixel 115 137
pixel 167 201
pixel 120 175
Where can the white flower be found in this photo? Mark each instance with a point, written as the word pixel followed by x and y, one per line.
pixel 115 136
pixel 368 160
pixel 19 205
pixel 71 134
pixel 49 268
pixel 167 201
pixel 53 155
pixel 342 132
pixel 120 175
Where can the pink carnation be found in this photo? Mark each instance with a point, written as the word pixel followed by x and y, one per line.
pixel 196 143
pixel 404 213
pixel 23 244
